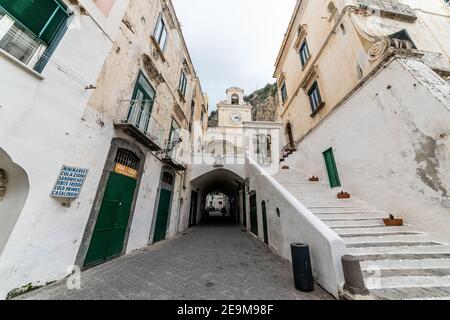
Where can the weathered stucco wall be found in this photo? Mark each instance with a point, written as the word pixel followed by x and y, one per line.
pixel 40 130
pixel 391 141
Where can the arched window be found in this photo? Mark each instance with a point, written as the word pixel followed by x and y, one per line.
pixel 127 158
pixel 3 183
pixel 168 178
pixel 235 99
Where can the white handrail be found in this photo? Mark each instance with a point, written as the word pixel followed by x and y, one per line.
pixel 327 247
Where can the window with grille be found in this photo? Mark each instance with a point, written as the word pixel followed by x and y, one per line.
pixel 168 178
pixel 29 30
pixel 127 158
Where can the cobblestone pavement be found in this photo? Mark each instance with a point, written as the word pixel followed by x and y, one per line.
pixel 212 262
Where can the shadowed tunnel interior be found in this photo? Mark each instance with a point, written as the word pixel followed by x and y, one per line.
pixel 217 181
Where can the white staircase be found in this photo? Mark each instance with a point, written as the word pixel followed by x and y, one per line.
pixel 397 262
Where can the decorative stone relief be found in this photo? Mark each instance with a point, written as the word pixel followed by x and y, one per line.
pixel 152 70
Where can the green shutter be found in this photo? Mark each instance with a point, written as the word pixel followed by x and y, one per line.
pixel 42 17
pixel 333 174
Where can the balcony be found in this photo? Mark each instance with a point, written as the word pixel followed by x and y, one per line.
pixel 437 62
pixel 175 156
pixel 134 118
pixel 389 9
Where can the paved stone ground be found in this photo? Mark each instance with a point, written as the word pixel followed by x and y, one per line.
pixel 211 262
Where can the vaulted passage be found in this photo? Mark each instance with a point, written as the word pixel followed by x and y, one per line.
pixel 217 195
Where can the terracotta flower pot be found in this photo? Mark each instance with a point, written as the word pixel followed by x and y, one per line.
pixel 285 168
pixel 343 195
pixel 314 179
pixel 393 222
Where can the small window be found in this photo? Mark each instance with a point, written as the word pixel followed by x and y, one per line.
pixel 168 178
pixel 304 53
pixel 183 84
pixel 235 99
pixel 127 158
pixel 315 98
pixel 343 29
pixel 284 95
pixel 161 33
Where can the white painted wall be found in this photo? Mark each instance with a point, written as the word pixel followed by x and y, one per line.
pixel 391 142
pixel 14 199
pixel 41 128
pixel 296 224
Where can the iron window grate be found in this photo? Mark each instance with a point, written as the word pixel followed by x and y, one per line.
pixel 127 158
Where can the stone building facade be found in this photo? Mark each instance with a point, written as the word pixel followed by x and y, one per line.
pixel 107 103
pixel 368 110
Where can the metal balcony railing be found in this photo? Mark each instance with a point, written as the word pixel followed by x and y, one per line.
pixel 436 61
pixel 134 117
pixel 175 155
pixel 391 9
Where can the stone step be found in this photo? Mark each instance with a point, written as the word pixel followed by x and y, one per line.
pixel 388 273
pixel 388 239
pixel 430 293
pixel 377 234
pixel 346 226
pixel 407 282
pixel 404 256
pixel 310 203
pixel 383 244
pixel 355 209
pixel 350 216
pixel 399 250
pixel 349 211
pixel 406 264
pixel 367 230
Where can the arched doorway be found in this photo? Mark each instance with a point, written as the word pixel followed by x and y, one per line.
pixel 108 238
pixel 14 189
pixel 219 191
pixel 290 134
pixel 163 207
pixel 108 228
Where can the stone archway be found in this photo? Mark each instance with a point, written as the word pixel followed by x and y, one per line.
pixel 14 190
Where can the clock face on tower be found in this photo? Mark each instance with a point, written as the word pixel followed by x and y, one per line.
pixel 236 118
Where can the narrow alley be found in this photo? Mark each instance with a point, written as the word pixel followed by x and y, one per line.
pixel 214 261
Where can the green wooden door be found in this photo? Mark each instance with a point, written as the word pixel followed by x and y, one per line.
pixel 265 226
pixel 253 215
pixel 333 174
pixel 194 207
pixel 109 233
pixel 162 216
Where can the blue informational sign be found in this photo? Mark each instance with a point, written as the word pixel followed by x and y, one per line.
pixel 69 183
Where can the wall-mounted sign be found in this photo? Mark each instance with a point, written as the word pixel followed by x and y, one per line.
pixel 69 183
pixel 126 171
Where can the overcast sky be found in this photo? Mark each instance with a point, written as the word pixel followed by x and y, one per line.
pixel 233 42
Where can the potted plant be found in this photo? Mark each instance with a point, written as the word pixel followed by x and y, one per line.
pixel 343 195
pixel 393 222
pixel 285 167
pixel 314 179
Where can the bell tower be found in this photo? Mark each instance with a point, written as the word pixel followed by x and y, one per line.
pixel 234 111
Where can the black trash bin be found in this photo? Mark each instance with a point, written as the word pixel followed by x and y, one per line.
pixel 301 264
